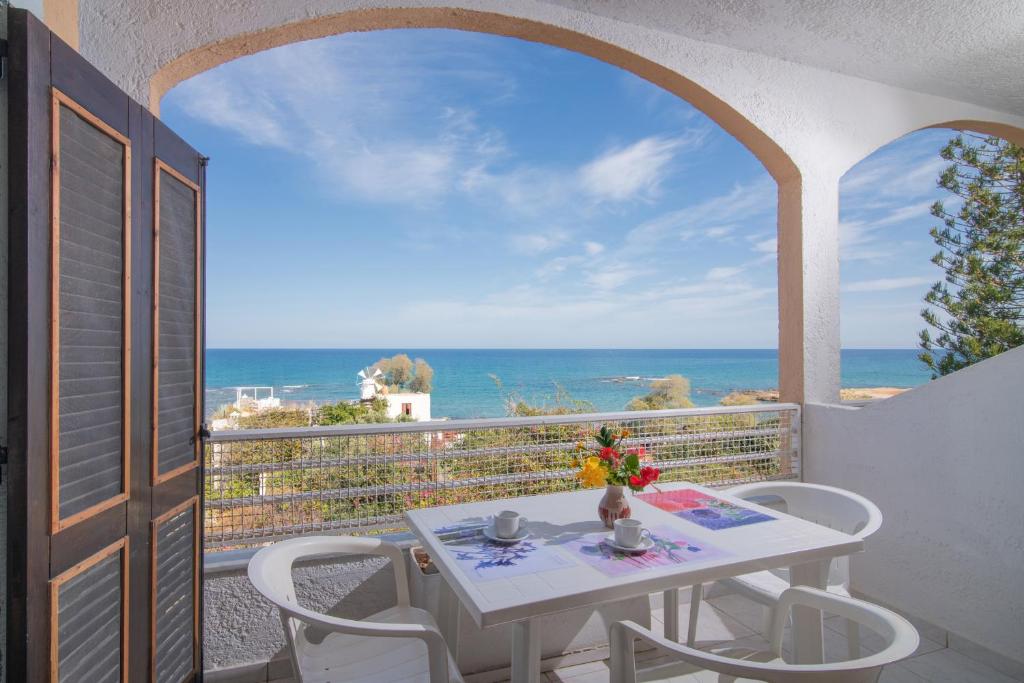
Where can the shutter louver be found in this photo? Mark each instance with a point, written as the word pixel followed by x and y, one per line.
pixel 89 327
pixel 88 638
pixel 176 380
pixel 174 596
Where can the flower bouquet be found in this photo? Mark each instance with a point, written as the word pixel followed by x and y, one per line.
pixel 616 467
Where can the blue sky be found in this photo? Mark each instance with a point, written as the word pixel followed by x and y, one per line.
pixel 445 189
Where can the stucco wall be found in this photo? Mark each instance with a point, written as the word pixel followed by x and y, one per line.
pixel 824 120
pixel 945 463
pixel 241 627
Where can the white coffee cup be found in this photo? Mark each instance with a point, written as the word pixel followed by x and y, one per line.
pixel 507 523
pixel 629 533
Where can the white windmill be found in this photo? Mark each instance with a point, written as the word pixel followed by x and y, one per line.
pixel 368 383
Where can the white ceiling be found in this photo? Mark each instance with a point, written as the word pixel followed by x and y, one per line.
pixel 969 50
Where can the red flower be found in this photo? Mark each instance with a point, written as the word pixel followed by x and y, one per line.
pixel 608 453
pixel 641 451
pixel 635 481
pixel 649 474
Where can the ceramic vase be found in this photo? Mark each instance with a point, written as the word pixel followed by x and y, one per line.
pixel 613 505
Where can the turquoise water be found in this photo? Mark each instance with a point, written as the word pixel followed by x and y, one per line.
pixel 463 384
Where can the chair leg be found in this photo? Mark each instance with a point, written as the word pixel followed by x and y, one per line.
pixel 696 595
pixel 766 620
pixel 853 638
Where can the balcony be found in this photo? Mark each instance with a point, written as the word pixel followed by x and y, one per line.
pixel 267 485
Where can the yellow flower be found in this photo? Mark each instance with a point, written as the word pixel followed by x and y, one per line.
pixel 625 433
pixel 592 473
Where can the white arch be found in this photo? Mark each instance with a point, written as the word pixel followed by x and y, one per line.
pixel 806 125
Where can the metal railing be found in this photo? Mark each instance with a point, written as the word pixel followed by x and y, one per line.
pixel 267 484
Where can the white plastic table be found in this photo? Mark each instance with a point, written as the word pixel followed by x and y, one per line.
pixel 555 519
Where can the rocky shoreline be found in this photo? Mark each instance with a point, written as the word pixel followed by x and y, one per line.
pixel 772 395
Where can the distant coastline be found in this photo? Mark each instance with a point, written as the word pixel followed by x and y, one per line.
pixel 845 394
pixel 465 387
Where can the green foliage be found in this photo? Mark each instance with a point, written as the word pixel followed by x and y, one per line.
pixel 671 392
pixel 562 404
pixel 279 417
pixel 401 374
pixel 353 413
pixel 981 249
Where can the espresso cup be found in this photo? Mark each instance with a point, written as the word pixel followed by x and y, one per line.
pixel 507 523
pixel 629 533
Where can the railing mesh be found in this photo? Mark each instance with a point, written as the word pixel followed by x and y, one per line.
pixel 263 485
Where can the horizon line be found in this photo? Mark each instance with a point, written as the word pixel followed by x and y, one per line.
pixel 537 348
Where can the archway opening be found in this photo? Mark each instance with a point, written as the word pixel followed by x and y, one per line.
pixel 907 212
pixel 581 206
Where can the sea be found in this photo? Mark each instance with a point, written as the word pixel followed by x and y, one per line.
pixel 472 383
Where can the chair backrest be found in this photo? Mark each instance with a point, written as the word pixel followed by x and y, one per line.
pixel 270 572
pixel 829 506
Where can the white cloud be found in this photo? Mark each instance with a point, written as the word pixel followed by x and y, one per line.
pixel 613 277
pixel 905 213
pixel 718 232
pixel 629 172
pixel 887 284
pixel 744 203
pixel 538 243
pixel 557 265
pixel 593 248
pixel 394 173
pixel 767 246
pixel 372 130
pixel 723 273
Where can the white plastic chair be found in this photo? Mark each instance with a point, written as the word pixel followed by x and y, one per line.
pixel 401 643
pixel 825 505
pixel 901 640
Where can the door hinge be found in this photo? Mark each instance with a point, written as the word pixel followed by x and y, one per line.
pixel 203 433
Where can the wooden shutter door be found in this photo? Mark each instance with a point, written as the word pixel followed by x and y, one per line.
pixel 106 377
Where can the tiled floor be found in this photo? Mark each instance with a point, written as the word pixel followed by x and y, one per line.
pixel 734 618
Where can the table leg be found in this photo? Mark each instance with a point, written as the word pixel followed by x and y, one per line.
pixel 672 614
pixel 450 609
pixel 808 645
pixel 526 651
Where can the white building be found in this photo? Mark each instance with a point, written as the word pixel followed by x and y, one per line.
pixel 413 405
pixel 410 404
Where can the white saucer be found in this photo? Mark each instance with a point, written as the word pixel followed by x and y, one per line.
pixel 490 533
pixel 645 544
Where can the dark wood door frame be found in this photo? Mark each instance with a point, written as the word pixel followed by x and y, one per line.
pixel 36 554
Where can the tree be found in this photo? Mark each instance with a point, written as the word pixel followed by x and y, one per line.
pixel 400 374
pixel 670 392
pixel 353 413
pixel 980 301
pixel 397 370
pixel 423 377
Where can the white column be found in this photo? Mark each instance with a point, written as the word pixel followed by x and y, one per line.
pixel 809 288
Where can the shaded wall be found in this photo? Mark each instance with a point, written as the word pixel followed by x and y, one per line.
pixel 945 463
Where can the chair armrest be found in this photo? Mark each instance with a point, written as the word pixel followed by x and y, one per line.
pixel 437 646
pixel 622 662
